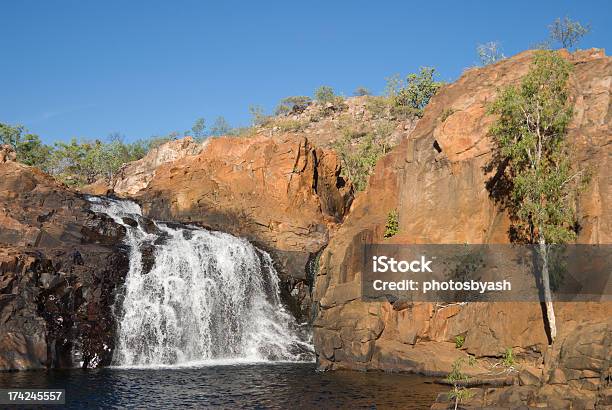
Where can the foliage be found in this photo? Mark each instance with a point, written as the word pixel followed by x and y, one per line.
pixel 447 113
pixel 361 91
pixel 29 148
pixel 197 130
pixel 155 141
pixel 459 341
pixel 289 125
pixel 568 33
pixel 220 127
pixel 414 92
pixel 296 103
pixel 538 184
pixel 489 53
pixel 325 94
pixel 359 150
pixel 80 163
pixel 455 378
pixel 508 358
pixel 76 162
pixel 392 225
pixel 378 106
pixel 258 116
pixel 243 132
pixel 534 177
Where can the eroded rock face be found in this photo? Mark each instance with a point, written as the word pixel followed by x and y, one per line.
pixel 283 194
pixel 436 182
pixel 60 267
pixel 7 153
pixel 135 176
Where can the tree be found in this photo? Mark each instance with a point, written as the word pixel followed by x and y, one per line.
pixel 415 92
pixel 361 92
pixel 325 94
pixel 359 152
pixel 297 103
pixel 489 53
pixel 567 32
pixel 197 130
pixel 29 148
pixel 456 378
pixel 220 127
pixel 535 180
pixel 258 116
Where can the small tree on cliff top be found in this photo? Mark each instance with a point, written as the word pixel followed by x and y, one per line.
pixel 568 33
pixel 535 179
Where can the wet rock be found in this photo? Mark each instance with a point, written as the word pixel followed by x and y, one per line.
pixel 130 222
pixel 148 257
pixel 60 266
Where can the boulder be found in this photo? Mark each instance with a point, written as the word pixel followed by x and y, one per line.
pixel 7 153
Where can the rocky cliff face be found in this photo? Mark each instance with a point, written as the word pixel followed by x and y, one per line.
pixel 281 193
pixel 60 265
pixel 435 179
pixel 135 176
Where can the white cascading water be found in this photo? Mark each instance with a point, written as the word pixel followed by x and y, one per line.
pixel 209 296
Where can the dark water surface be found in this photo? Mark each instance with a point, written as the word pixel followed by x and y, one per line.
pixel 230 386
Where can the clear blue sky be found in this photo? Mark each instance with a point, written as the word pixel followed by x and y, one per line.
pixel 89 68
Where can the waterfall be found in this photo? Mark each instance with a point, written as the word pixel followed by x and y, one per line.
pixel 195 296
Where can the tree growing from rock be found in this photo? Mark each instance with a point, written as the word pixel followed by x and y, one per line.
pixel 568 33
pixel 296 103
pixel 220 127
pixel 489 53
pixel 414 92
pixel 198 129
pixel 325 94
pixel 361 92
pixel 535 179
pixel 29 148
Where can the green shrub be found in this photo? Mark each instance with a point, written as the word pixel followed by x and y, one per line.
pixel 289 125
pixel 508 358
pixel 361 91
pixel 325 94
pixel 458 393
pixel 29 148
pixel 220 127
pixel 378 106
pixel 414 92
pixel 359 154
pixel 392 225
pixel 197 130
pixel 459 341
pixel 402 112
pixel 243 132
pixel 296 103
pixel 258 116
pixel 447 113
